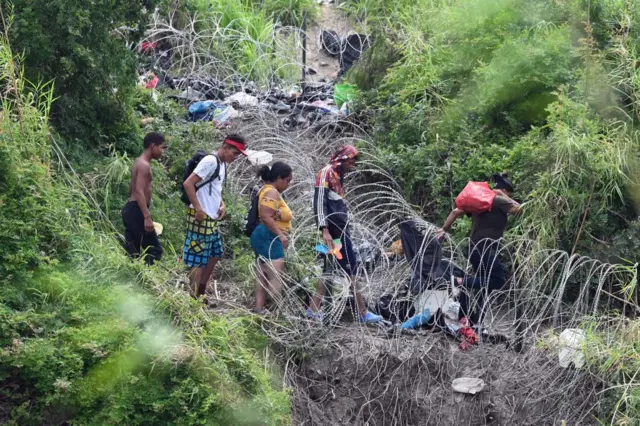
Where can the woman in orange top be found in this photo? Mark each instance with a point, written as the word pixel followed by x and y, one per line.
pixel 269 239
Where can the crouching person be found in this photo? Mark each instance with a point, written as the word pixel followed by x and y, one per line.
pixel 270 238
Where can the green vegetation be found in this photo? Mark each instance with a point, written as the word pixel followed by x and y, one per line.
pixel 81 47
pixel 546 90
pixel 230 38
pixel 451 91
pixel 86 336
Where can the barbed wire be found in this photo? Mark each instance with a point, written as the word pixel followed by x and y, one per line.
pixel 342 372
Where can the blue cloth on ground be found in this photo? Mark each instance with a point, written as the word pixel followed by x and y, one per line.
pixel 417 320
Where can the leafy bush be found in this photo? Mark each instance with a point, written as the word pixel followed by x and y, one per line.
pixel 67 343
pixel 32 207
pixel 481 87
pixel 77 45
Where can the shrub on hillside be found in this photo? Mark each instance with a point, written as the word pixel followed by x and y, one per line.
pixel 78 46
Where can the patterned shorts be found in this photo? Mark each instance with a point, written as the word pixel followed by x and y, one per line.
pixel 202 241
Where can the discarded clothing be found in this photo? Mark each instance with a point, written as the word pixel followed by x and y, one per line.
pixel 190 95
pixel 222 117
pixel 571 343
pixel 152 83
pixel 330 42
pixel 211 111
pixel 148 47
pixel 468 337
pixel 417 320
pixel 353 47
pixel 396 307
pixel 424 255
pixel 258 158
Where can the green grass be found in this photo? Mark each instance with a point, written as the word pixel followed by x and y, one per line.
pixel 87 336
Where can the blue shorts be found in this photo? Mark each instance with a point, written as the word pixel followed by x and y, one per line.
pixel 266 244
pixel 202 241
pixel 348 263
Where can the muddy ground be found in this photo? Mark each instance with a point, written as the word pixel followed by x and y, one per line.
pixel 326 66
pixel 363 377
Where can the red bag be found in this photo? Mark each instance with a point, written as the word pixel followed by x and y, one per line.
pixel 476 197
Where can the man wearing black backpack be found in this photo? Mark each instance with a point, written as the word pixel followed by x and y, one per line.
pixel 203 193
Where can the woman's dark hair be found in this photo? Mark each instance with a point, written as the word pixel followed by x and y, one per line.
pixel 278 170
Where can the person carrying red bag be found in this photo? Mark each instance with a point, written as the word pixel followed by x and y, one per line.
pixel 489 210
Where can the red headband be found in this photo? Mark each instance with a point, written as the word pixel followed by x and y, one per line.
pixel 238 145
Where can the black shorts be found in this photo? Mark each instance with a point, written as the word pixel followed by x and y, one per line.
pixel 137 240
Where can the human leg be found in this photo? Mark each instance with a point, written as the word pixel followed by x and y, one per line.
pixel 270 264
pixel 202 250
pixel 318 297
pixel 488 275
pixel 496 280
pixel 133 228
pixel 349 264
pixel 204 275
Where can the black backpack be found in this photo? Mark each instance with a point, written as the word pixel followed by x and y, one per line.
pixel 190 166
pixel 253 215
pixel 253 218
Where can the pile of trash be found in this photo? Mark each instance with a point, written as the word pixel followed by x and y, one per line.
pixel 209 99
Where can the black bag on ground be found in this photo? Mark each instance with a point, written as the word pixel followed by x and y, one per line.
pixel 190 166
pixel 396 307
pixel 429 270
pixel 330 41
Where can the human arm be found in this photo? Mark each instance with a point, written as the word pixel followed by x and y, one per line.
pixel 320 199
pixel 190 188
pixel 222 211
pixel 267 214
pixel 508 204
pixel 143 180
pixel 516 208
pixel 453 216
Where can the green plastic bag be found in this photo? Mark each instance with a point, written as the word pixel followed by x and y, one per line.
pixel 343 93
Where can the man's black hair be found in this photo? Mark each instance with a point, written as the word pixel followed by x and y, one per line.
pixel 153 138
pixel 236 138
pixel 502 182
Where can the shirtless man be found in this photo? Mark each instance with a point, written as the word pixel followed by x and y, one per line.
pixel 140 236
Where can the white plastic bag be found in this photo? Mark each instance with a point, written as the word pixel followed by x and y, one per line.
pixel 451 309
pixel 571 343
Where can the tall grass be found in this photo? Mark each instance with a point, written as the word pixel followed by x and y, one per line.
pixel 87 336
